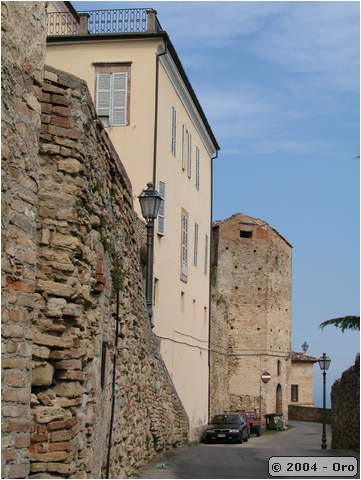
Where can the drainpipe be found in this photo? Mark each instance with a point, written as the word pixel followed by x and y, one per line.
pixel 156 113
pixel 113 385
pixel 210 293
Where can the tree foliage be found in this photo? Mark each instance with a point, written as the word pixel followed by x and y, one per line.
pixel 350 322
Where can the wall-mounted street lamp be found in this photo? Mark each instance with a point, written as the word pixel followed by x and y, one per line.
pixel 324 363
pixel 150 201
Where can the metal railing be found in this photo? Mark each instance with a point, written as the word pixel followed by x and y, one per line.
pixel 95 22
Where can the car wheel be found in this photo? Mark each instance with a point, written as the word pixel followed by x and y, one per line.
pixel 245 435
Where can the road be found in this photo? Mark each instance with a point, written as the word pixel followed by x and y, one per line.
pixel 248 460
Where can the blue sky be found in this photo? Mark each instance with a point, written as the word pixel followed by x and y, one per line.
pixel 279 82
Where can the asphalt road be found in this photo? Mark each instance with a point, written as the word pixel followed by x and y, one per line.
pixel 248 460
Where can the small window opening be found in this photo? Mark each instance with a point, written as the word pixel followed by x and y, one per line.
pixel 245 234
pixel 103 362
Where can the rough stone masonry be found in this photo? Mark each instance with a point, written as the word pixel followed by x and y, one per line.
pixel 78 227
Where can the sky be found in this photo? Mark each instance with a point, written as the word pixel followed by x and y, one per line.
pixel 279 83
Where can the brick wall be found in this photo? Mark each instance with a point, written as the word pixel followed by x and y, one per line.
pixel 23 53
pixel 345 404
pixel 71 242
pixel 88 248
pixel 252 276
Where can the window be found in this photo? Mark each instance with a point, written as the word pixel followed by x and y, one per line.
pixel 189 154
pixel 183 147
pixel 245 234
pixel 184 246
pixel 206 255
pixel 294 393
pixel 161 213
pixel 112 98
pixel 278 367
pixel 195 255
pixel 197 167
pixel 174 132
pixel 182 302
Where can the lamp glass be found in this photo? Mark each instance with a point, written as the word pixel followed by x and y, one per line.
pixel 150 201
pixel 324 362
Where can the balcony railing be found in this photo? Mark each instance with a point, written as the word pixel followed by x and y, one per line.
pixel 96 22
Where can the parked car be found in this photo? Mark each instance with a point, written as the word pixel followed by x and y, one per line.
pixel 254 421
pixel 227 427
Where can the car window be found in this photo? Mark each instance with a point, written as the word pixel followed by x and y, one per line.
pixel 217 419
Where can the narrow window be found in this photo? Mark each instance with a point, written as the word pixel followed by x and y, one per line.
pixel 206 255
pixel 294 393
pixel 278 367
pixel 245 234
pixel 189 155
pixel 103 364
pixel 155 291
pixel 183 148
pixel 197 167
pixel 195 256
pixel 184 246
pixel 112 98
pixel 161 213
pixel 174 131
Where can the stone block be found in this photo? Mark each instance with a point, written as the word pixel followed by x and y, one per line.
pixel 70 165
pixel 40 352
pixel 55 288
pixel 62 111
pixel 55 307
pixel 52 341
pixel 51 414
pixel 42 374
pixel 68 389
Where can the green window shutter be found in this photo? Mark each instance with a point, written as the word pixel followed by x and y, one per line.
pixel 103 94
pixel 119 96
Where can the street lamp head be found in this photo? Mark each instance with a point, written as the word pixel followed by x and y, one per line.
pixel 324 362
pixel 150 201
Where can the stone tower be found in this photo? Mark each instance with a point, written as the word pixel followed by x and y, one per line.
pixel 251 316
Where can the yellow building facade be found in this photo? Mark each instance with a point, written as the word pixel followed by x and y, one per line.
pixel 161 135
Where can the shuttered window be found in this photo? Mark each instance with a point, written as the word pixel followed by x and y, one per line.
pixel 161 214
pixel 189 155
pixel 195 254
pixel 183 147
pixel 206 255
pixel 111 98
pixel 294 393
pixel 184 246
pixel 197 167
pixel 174 132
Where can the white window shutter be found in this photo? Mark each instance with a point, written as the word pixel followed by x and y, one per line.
pixel 197 167
pixel 119 99
pixel 184 246
pixel 183 148
pixel 103 94
pixel 195 256
pixel 161 213
pixel 189 162
pixel 206 256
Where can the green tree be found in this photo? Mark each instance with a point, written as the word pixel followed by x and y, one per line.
pixel 350 322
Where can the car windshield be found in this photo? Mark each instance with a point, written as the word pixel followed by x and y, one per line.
pixel 217 419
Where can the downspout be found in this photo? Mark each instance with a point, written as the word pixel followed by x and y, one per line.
pixel 113 385
pixel 155 141
pixel 210 293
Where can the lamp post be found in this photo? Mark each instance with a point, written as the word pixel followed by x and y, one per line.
pixel 150 201
pixel 324 363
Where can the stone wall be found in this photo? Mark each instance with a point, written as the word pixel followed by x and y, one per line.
pixel 23 53
pixel 88 251
pixel 308 414
pixel 345 402
pixel 251 273
pixel 71 276
pixel 218 357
